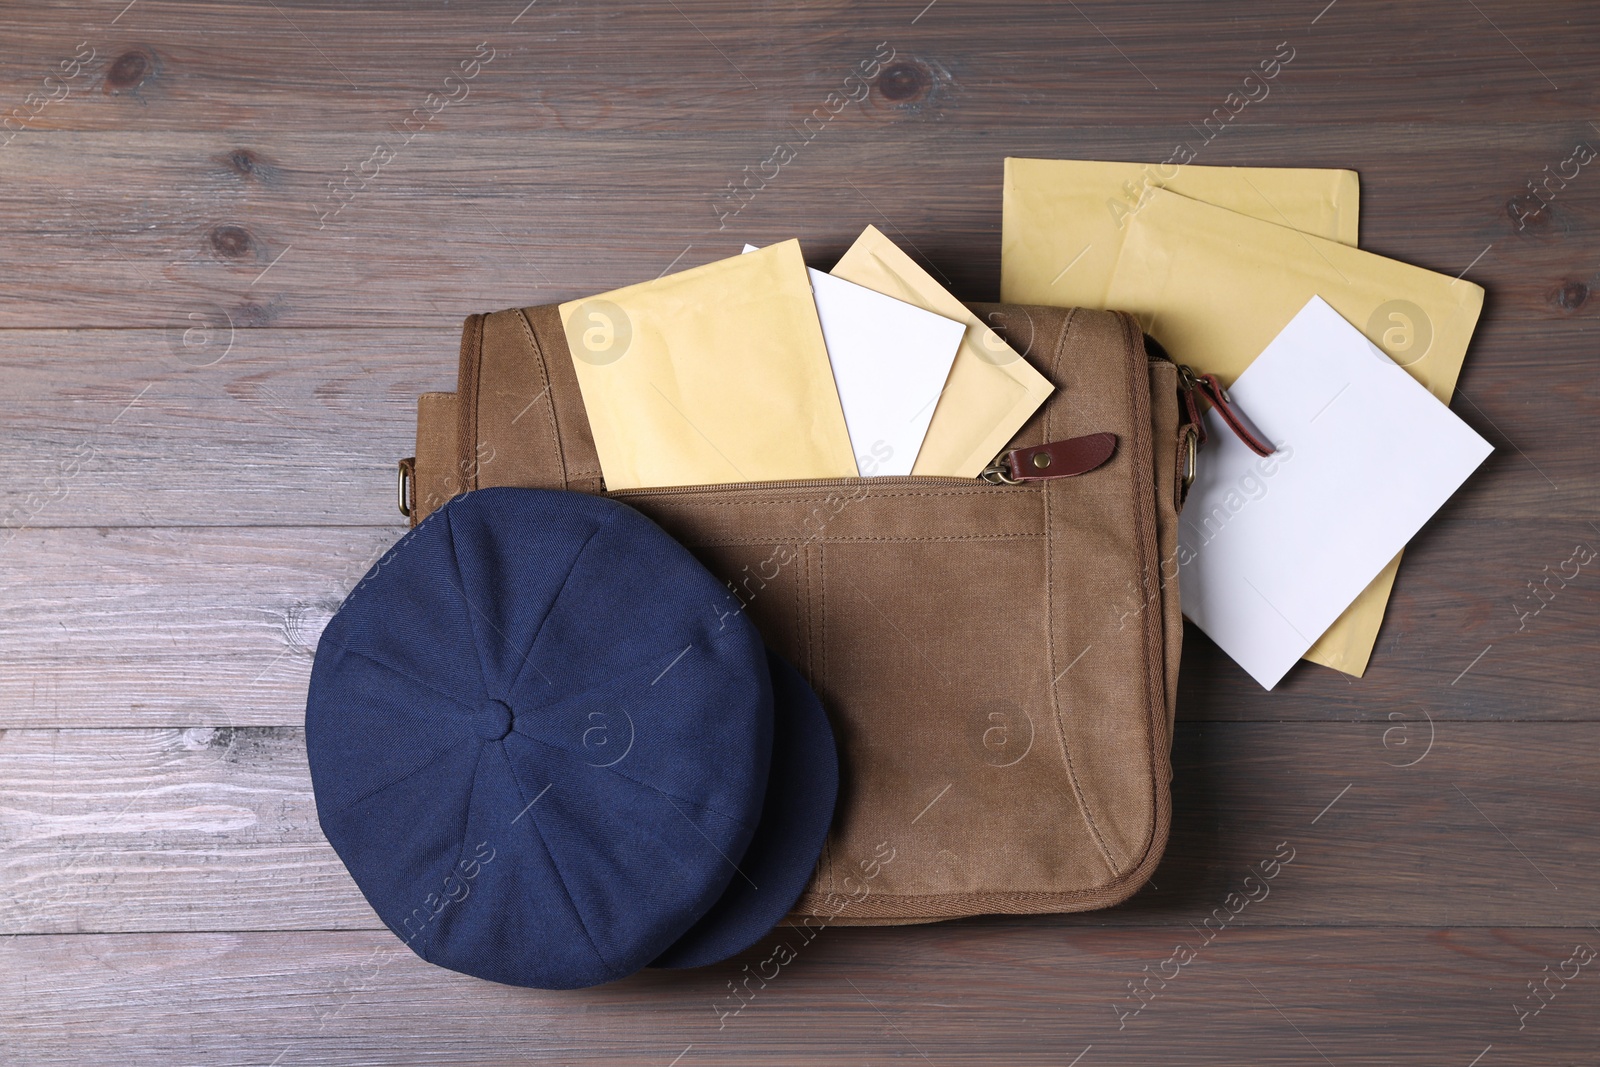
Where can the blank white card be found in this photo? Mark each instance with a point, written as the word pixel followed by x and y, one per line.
pixel 890 361
pixel 1271 551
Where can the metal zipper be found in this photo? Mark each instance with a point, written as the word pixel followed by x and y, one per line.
pixel 797 483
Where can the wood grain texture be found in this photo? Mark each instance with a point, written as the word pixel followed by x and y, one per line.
pixel 213 829
pixel 235 250
pixel 1373 996
pixel 739 69
pixel 209 626
pixel 169 229
pixel 233 427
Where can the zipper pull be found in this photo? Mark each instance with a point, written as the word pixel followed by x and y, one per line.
pixel 1208 386
pixel 1058 459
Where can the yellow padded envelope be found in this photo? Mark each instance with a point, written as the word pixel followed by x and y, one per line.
pixel 991 390
pixel 1215 286
pixel 716 374
pixel 1065 219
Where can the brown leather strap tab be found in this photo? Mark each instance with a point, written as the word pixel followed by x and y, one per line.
pixel 439 471
pixel 1236 420
pixel 1060 459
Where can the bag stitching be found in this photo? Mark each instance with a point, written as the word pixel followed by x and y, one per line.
pixel 547 395
pixel 1149 551
pixel 1093 897
pixel 1025 536
pixel 822 671
pixel 1050 627
pixel 954 490
pixel 805 615
pixel 472 348
pixel 799 623
pixel 822 616
pixel 589 467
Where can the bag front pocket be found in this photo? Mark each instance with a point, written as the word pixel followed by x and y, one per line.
pixel 769 540
pixel 917 609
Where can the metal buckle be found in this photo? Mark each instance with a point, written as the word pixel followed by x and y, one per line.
pixel 404 484
pixel 1191 459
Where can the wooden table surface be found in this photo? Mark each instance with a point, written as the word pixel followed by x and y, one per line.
pixel 237 240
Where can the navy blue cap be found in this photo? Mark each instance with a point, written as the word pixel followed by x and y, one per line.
pixel 802 785
pixel 541 738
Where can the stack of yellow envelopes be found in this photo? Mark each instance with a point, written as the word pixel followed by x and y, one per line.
pixel 1215 261
pixel 721 373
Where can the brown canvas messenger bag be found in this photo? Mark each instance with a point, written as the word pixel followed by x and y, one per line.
pixel 998 656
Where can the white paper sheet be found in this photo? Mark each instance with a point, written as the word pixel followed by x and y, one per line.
pixel 890 361
pixel 1271 551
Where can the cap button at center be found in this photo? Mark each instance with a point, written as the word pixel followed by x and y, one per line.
pixel 493 720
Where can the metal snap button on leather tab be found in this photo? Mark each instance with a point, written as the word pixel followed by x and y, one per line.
pixel 1057 459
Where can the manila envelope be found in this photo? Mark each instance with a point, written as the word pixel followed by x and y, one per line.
pixel 991 390
pixel 1064 220
pixel 1064 224
pixel 1215 287
pixel 716 374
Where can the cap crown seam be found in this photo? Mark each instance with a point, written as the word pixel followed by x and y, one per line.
pixel 555 864
pixel 461 587
pixel 466 823
pixel 527 656
pixel 630 778
pixel 438 758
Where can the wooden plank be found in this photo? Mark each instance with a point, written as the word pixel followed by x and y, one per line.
pixel 200 424
pixel 143 229
pixel 207 626
pixel 167 830
pixel 620 66
pixel 951 994
pixel 163 626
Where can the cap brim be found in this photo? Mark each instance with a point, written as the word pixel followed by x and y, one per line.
pixel 802 787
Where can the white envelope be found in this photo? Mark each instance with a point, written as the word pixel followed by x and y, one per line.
pixel 1271 551
pixel 890 361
